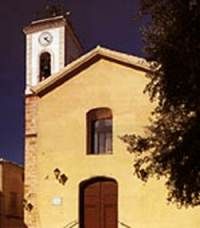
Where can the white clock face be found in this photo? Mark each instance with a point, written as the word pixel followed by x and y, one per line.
pixel 45 38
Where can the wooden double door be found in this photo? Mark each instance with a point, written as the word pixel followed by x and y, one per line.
pixel 98 204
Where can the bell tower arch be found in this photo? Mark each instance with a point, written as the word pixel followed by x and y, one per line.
pixel 45 65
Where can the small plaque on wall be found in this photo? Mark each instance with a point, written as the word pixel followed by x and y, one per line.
pixel 56 201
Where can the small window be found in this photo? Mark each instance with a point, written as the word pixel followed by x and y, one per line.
pixel 45 65
pixel 99 131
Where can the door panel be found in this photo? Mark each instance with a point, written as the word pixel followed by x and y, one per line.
pixel 91 217
pixel 91 206
pixel 109 219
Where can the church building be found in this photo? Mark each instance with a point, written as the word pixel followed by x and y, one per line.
pixel 78 172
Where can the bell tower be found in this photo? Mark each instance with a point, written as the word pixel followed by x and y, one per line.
pixel 51 43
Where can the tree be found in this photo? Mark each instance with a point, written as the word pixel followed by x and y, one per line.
pixel 172 147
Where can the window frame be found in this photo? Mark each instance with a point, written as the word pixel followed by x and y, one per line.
pixel 93 116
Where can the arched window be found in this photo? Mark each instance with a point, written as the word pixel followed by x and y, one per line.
pixel 45 65
pixel 99 131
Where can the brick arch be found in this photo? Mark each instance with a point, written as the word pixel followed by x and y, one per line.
pixel 98 203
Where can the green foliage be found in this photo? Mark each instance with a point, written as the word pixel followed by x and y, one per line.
pixel 172 149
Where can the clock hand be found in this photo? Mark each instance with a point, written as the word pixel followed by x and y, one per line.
pixel 46 38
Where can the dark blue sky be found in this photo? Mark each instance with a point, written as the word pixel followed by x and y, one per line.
pixel 109 23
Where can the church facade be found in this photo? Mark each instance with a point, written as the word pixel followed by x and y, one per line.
pixel 77 170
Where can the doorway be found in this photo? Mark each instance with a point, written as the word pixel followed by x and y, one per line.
pixel 98 203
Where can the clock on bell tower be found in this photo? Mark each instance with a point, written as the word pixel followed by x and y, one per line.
pixel 51 44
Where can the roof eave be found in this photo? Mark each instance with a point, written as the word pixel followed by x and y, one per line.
pixel 97 53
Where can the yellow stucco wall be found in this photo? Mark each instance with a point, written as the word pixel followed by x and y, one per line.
pixel 62 144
